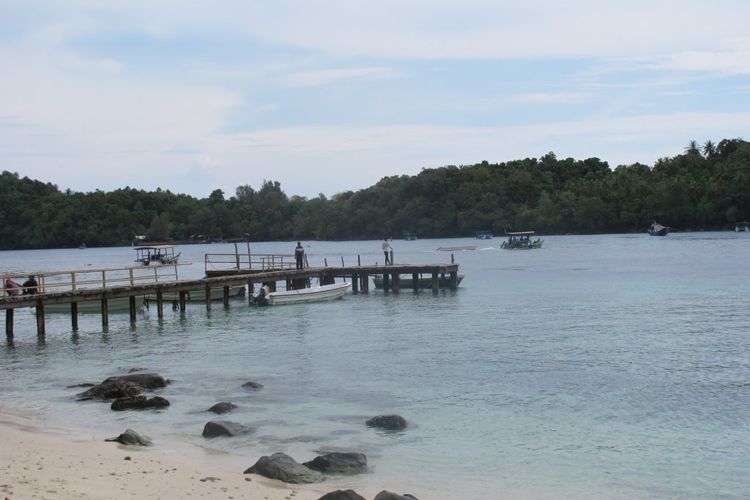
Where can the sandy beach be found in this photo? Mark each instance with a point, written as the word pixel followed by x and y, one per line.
pixel 53 463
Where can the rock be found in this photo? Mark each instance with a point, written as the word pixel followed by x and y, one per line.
pixel 220 408
pixel 284 468
pixel 84 384
pixel 130 437
pixel 139 403
pixel 342 495
pixel 388 422
pixel 338 463
pixel 216 428
pixel 252 385
pixel 144 380
pixel 387 495
pixel 113 389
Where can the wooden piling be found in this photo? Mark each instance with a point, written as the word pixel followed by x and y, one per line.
pixel 40 327
pixel 183 300
pixel 131 304
pixel 454 280
pixel 208 296
pixel 365 283
pixel 159 304
pixel 355 284
pixel 9 324
pixel 250 291
pixel 415 281
pixel 74 316
pixel 105 313
pixel 435 283
pixel 226 296
pixel 386 282
pixel 396 283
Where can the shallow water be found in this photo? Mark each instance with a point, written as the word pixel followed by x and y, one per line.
pixel 612 366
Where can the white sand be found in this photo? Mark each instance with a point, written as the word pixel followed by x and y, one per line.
pixel 41 463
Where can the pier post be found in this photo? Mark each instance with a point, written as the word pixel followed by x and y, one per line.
pixel 391 255
pixel 74 316
pixel 40 330
pixel 208 297
pixel 359 261
pixel 396 283
pixel 250 291
pixel 454 280
pixel 355 283
pixel 183 299
pixel 435 283
pixel 386 282
pixel 105 313
pixel 131 303
pixel 226 296
pixel 9 324
pixel 365 283
pixel 415 281
pixel 159 304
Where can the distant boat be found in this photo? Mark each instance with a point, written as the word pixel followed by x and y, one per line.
pixel 656 229
pixel 157 254
pixel 521 240
pixel 303 295
pixel 742 227
pixel 483 235
pixel 82 246
pixel 410 236
pixel 456 249
pixel 422 282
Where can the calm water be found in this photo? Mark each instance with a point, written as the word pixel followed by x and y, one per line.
pixel 597 367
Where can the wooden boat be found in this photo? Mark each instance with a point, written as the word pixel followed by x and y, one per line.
pixel 521 240
pixel 656 229
pixel 119 305
pixel 423 282
pixel 157 254
pixel 312 294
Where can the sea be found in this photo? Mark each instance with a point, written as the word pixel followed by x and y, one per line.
pixel 597 367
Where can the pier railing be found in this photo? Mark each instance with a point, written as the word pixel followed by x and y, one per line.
pixel 248 261
pixel 89 279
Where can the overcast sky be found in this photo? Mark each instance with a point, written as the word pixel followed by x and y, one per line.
pixel 330 96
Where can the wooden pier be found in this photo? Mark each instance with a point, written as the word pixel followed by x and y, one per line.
pixel 225 278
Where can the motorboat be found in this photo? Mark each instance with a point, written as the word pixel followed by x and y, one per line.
pixel 118 305
pixel 156 254
pixel 521 240
pixel 656 229
pixel 423 282
pixel 313 294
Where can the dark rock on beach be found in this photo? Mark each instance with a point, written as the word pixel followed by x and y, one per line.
pixel 217 428
pixel 110 389
pixel 252 385
pixel 222 407
pixel 139 403
pixel 82 385
pixel 284 468
pixel 342 495
pixel 144 380
pixel 388 422
pixel 130 437
pixel 338 463
pixel 387 495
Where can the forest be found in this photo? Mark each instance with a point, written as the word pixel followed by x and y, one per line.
pixel 705 187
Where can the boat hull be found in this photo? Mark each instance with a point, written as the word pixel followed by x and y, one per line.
pixel 114 306
pixel 424 283
pixel 304 295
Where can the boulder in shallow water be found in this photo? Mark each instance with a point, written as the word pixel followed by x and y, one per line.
pixel 342 495
pixel 110 389
pixel 222 407
pixel 388 422
pixel 217 428
pixel 252 385
pixel 284 468
pixel 139 403
pixel 387 495
pixel 132 438
pixel 338 463
pixel 144 380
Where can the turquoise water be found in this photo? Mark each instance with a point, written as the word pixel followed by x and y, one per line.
pixel 614 366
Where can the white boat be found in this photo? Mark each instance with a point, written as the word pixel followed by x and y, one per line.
pixel 312 294
pixel 156 254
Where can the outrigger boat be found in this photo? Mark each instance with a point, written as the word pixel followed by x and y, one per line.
pixel 422 282
pixel 302 295
pixel 158 254
pixel 521 240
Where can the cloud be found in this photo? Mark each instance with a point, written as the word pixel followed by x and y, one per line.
pixel 328 76
pixel 550 97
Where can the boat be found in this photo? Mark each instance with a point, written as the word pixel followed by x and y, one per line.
pixel 483 235
pixel 158 254
pixel 119 305
pixel 302 295
pixel 410 236
pixel 742 227
pixel 422 282
pixel 656 229
pixel 521 240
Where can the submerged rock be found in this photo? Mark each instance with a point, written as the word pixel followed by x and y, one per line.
pixel 144 380
pixel 139 403
pixel 252 385
pixel 284 468
pixel 110 389
pixel 217 428
pixel 342 495
pixel 388 422
pixel 130 437
pixel 338 463
pixel 387 495
pixel 222 407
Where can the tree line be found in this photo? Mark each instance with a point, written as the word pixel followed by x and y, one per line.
pixel 704 187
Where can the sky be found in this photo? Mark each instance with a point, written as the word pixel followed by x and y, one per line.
pixel 327 96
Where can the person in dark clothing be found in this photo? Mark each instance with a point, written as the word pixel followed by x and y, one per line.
pixel 299 255
pixel 30 286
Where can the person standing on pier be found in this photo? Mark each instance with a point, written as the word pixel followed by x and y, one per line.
pixel 30 286
pixel 299 255
pixel 387 248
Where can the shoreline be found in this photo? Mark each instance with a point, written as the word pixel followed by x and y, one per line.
pixel 52 462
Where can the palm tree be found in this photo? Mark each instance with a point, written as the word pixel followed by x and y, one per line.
pixel 692 148
pixel 709 149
